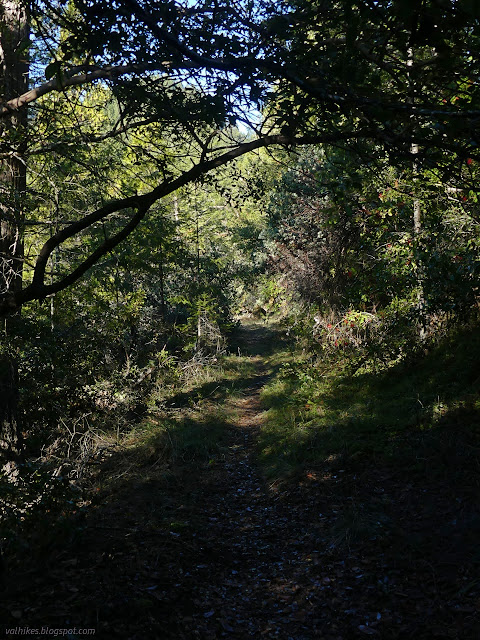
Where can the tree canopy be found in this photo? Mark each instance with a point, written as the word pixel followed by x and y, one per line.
pixel 390 74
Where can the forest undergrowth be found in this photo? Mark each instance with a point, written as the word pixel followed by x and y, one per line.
pixel 277 497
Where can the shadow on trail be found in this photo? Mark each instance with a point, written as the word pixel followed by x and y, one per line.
pixel 188 542
pixel 216 391
pixel 255 339
pixel 134 562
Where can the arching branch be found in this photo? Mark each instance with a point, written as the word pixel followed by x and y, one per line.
pixel 38 289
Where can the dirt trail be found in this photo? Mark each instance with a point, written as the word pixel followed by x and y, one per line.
pixel 254 551
pixel 211 553
pixel 217 552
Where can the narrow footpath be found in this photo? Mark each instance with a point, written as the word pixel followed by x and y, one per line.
pixel 216 551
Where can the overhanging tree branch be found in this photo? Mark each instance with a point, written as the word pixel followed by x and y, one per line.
pixel 38 290
pixel 77 76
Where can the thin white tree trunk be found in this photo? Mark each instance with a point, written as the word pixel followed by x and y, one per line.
pixel 417 228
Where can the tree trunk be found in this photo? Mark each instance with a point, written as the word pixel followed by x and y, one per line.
pixel 417 222
pixel 163 304
pixel 420 274
pixel 13 82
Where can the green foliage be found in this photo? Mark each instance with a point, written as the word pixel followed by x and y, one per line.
pixel 342 237
pixel 95 354
pixel 202 328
